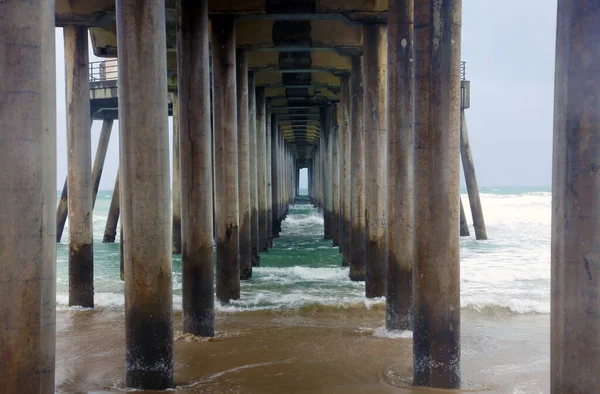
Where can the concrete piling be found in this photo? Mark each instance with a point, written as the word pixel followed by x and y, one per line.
pixel 436 324
pixel 79 160
pixel 374 80
pixel 196 156
pixel 226 158
pixel 243 129
pixel 100 157
pixel 261 148
pixel 145 193
pixel 358 243
pixel 62 211
pixel 275 206
pixel 254 229
pixel 574 351
pixel 335 176
pixel 471 179
pixel 464 226
pixel 345 223
pixel 176 181
pixel 110 230
pixel 28 195
pixel 268 168
pixel 327 154
pixel 400 166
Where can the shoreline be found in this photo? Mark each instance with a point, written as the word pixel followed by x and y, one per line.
pixel 305 350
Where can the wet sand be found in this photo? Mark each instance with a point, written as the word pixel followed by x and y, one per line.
pixel 315 349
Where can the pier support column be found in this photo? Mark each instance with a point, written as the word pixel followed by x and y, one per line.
pixel 145 193
pixel 345 225
pixel 100 157
pixel 176 181
pixel 436 343
pixel 261 148
pixel 400 166
pixel 62 211
pixel 276 224
pixel 28 195
pixel 335 176
pixel 226 158
pixel 79 178
pixel 243 128
pixel 358 243
pixel 326 154
pixel 471 180
pixel 269 190
pixel 464 226
pixel 254 229
pixel 110 230
pixel 196 157
pixel 63 206
pixel 374 80
pixel 575 328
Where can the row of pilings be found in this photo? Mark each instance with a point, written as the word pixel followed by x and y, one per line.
pixel 416 97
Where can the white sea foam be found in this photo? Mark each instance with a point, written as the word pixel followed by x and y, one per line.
pixel 509 273
pixel 383 332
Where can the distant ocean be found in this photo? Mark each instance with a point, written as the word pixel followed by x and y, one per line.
pixel 509 273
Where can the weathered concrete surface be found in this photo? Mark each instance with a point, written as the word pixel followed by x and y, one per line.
pixel 196 149
pixel 243 129
pixel 575 330
pixel 335 176
pixel 436 331
pixel 326 154
pixel 226 158
pixel 145 194
pixel 176 181
pixel 110 230
pixel 62 211
pixel 269 170
pixel 254 230
pixel 261 148
pixel 63 206
pixel 28 195
pixel 471 179
pixel 357 205
pixel 400 165
pixel 79 160
pixel 464 226
pixel 100 157
pixel 346 222
pixel 275 176
pixel 374 80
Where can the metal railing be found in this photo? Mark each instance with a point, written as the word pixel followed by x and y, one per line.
pixel 105 70
pixel 463 71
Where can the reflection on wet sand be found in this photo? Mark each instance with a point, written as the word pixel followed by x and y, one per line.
pixel 314 349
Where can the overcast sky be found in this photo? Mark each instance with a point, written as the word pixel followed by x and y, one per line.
pixel 509 49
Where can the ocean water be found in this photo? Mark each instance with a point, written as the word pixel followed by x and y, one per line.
pixel 507 274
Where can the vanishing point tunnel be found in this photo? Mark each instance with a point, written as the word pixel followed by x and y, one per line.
pixel 367 95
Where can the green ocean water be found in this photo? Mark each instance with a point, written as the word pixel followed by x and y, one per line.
pixel 510 271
